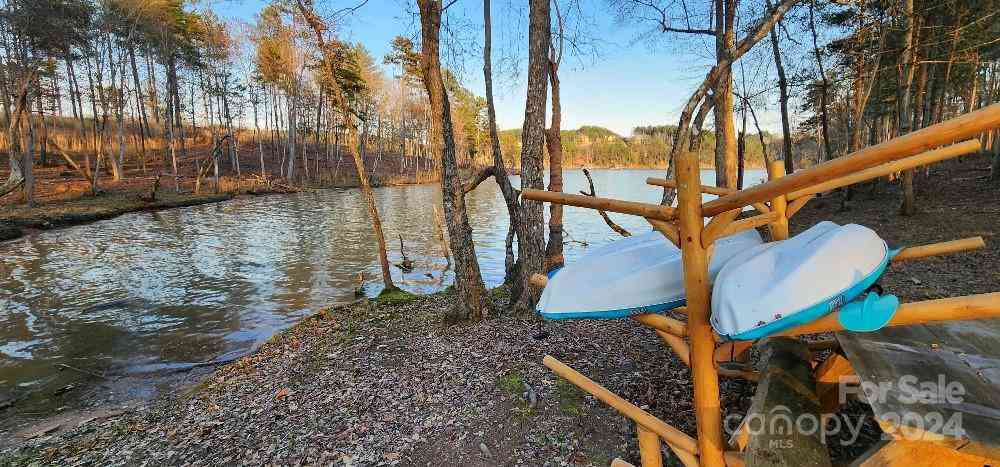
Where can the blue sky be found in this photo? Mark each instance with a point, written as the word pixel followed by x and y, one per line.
pixel 629 83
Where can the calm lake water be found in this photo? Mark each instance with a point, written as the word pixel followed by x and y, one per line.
pixel 150 291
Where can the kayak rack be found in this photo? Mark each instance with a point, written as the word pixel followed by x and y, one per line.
pixel 775 201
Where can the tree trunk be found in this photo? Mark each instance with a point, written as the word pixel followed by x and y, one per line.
pixel 341 103
pixel 473 300
pixel 499 167
pixel 530 239
pixel 553 143
pixel 786 131
pixel 725 128
pixel 824 83
pixel 909 206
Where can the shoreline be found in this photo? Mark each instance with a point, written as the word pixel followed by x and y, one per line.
pixel 17 221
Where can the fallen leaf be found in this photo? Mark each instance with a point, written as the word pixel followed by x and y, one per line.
pixel 282 393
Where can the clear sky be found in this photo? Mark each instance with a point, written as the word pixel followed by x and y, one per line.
pixel 629 83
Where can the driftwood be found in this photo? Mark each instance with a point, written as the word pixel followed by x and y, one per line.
pixel 607 220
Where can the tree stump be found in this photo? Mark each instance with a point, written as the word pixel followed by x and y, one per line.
pixel 783 424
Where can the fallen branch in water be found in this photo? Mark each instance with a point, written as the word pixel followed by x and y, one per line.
pixel 407 264
pixel 607 220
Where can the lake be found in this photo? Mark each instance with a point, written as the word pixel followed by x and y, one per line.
pixel 157 290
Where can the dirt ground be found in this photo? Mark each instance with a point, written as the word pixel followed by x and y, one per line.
pixel 386 383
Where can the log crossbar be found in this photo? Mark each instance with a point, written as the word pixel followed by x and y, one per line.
pixel 962 127
pixel 929 157
pixel 708 189
pixel 648 210
pixel 943 248
pixel 969 307
pixel 677 439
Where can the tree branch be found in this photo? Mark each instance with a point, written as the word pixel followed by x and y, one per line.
pixel 483 174
pixel 607 220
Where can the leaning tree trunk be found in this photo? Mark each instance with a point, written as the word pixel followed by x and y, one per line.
pixel 530 244
pixel 351 132
pixel 473 299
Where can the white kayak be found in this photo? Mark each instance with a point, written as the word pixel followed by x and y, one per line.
pixel 780 285
pixel 638 274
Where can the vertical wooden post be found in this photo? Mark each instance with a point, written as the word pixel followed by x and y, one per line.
pixel 778 228
pixel 649 448
pixel 696 284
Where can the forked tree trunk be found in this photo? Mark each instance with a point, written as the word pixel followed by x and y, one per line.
pixel 530 240
pixel 499 167
pixel 473 300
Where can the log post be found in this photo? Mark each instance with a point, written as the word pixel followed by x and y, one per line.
pixel 779 204
pixel 649 448
pixel 782 425
pixel 696 284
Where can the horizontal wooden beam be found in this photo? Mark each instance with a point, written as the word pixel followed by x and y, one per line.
pixel 943 248
pixel 652 211
pixel 709 189
pixel 965 126
pixel 676 438
pixel 924 158
pixel 663 323
pixel 709 237
pixel 983 306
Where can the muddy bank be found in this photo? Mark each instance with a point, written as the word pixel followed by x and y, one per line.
pixel 15 220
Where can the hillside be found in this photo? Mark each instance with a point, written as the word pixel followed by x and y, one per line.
pixel 594 146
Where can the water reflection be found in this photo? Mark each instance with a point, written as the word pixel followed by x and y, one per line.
pixel 147 290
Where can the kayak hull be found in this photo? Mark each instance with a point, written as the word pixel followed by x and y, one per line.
pixel 785 284
pixel 639 274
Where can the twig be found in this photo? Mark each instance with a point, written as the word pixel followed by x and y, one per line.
pixel 607 220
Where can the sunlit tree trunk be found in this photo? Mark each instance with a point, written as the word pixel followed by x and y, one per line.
pixel 473 300
pixel 530 241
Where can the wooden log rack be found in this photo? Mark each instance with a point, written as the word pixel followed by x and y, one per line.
pixel 776 201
